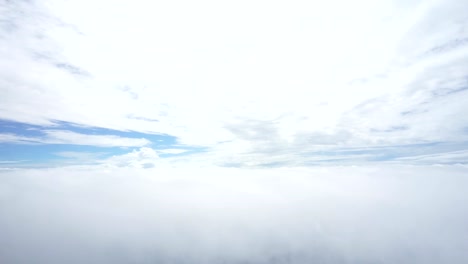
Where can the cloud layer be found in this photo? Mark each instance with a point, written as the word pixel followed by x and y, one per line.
pixel 396 214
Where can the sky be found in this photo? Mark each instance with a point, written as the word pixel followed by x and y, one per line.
pixel 251 83
pixel 192 110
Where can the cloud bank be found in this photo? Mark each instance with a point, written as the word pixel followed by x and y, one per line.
pixel 385 214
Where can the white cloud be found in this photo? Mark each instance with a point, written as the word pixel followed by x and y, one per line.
pixel 393 214
pixel 315 73
pixel 172 151
pixel 12 138
pixel 141 158
pixel 69 137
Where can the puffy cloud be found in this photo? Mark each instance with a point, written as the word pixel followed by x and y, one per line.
pixel 141 158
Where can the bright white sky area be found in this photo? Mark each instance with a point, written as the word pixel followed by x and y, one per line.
pixel 252 83
pixel 233 131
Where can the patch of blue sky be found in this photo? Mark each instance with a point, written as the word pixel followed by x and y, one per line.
pixel 44 153
pixel 19 128
pixel 158 140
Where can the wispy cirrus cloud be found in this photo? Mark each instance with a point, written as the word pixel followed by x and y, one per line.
pixel 73 138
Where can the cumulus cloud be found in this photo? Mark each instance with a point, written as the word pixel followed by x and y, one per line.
pixel 393 214
pixel 141 158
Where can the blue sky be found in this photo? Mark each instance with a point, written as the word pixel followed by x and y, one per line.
pixel 33 145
